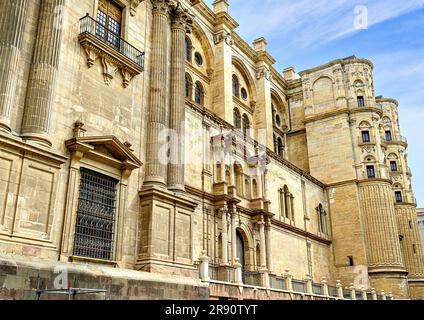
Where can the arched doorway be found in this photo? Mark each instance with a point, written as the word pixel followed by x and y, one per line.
pixel 240 253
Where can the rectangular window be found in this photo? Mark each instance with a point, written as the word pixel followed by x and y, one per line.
pixel 370 172
pixel 109 18
pixel 366 136
pixel 398 196
pixel 361 101
pixel 95 220
pixel 350 261
pixel 393 166
pixel 389 136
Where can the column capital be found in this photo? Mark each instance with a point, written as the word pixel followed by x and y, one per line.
pixel 161 6
pixel 181 19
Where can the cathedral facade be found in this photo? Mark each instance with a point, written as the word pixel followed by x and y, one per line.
pixel 142 140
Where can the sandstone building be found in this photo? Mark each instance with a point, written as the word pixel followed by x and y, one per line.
pixel 139 136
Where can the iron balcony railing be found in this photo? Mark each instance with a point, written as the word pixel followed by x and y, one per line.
pixel 90 26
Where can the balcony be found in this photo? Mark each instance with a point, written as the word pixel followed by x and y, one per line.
pixel 113 51
pixel 398 139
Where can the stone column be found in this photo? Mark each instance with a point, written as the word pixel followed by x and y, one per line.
pixel 262 245
pixel 268 244
pixel 157 120
pixel 12 21
pixel 42 77
pixel 224 236
pixel 234 233
pixel 180 21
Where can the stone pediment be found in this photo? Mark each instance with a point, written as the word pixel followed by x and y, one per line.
pixel 106 149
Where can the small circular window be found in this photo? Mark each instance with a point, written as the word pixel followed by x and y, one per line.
pixel 198 58
pixel 243 93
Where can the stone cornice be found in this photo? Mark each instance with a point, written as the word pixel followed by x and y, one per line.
pixel 278 79
pixel 301 232
pixel 390 100
pixel 225 19
pixel 342 62
pixel 346 111
pixel 44 154
pixel 153 192
pixel 244 46
pixel 296 132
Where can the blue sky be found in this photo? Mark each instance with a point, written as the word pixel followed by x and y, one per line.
pixel 307 33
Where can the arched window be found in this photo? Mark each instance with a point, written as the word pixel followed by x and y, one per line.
pixel 236 86
pixel 247 191
pixel 246 124
pixel 188 86
pixel 239 178
pixel 188 49
pixel 280 146
pixel 322 219
pixel 286 203
pixel 228 177
pixel 237 118
pixel 199 93
pixel 255 189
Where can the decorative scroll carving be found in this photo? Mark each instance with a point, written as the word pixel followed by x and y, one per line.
pixel 223 36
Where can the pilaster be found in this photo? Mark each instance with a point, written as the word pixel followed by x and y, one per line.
pixel 12 20
pixel 42 78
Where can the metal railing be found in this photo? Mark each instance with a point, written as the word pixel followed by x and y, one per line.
pixel 299 286
pixel 90 26
pixel 278 283
pixel 218 273
pixel 252 278
pixel 317 289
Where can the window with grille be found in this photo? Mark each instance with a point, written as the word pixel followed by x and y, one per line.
pixel 95 221
pixel 109 17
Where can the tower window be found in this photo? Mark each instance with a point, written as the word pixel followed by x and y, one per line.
pixel 388 135
pixel 198 94
pixel 246 125
pixel 236 86
pixel 398 196
pixel 370 172
pixel 361 101
pixel 366 136
pixel 188 48
pixel 393 166
pixel 350 261
pixel 414 248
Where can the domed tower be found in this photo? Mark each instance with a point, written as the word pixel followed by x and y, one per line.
pixel 348 152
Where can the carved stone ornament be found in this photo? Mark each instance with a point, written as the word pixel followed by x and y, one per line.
pixel 133 6
pixel 181 18
pixel 223 36
pixel 263 73
pixel 112 63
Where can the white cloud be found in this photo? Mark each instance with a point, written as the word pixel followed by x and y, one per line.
pixel 305 23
